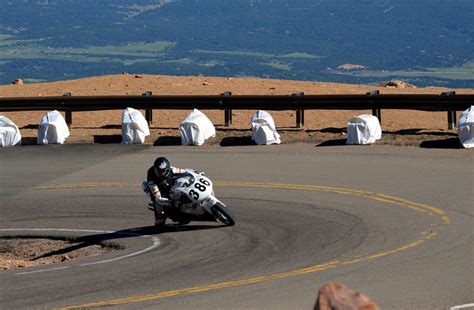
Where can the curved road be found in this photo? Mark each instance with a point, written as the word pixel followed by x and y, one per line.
pixel 392 222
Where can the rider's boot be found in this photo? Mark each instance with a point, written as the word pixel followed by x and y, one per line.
pixel 160 223
pixel 160 219
pixel 151 206
pixel 160 216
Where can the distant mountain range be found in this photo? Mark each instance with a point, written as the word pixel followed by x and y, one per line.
pixel 423 42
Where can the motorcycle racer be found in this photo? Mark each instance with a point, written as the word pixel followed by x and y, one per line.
pixel 157 186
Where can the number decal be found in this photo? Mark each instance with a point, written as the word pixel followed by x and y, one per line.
pixel 194 194
pixel 204 181
pixel 200 187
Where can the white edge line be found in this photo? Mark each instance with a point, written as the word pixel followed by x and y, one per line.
pixel 462 306
pixel 43 270
pixel 58 229
pixel 156 243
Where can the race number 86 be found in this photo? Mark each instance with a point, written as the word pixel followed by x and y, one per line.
pixel 200 187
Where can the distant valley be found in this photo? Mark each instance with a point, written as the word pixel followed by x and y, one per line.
pixel 423 42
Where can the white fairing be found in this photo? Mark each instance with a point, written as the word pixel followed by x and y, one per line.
pixel 363 129
pixel 52 129
pixel 264 129
pixel 9 132
pixel 134 127
pixel 195 191
pixel 196 128
pixel 466 128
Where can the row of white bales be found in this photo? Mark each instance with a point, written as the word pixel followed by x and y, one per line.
pixel 196 128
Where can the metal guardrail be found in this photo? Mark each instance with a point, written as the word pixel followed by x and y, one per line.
pixel 299 102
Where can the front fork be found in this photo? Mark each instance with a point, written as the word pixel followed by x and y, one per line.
pixel 208 203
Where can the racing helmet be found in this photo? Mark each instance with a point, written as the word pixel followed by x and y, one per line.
pixel 162 167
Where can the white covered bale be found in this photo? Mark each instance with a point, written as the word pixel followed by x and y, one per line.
pixel 363 129
pixel 264 129
pixel 9 132
pixel 196 128
pixel 52 129
pixel 134 127
pixel 466 128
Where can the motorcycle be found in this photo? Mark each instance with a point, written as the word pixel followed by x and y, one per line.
pixel 193 199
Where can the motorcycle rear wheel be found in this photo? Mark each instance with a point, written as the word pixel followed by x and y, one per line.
pixel 222 215
pixel 181 219
pixel 184 221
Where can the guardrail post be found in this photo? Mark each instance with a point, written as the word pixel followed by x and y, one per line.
pixel 299 118
pixel 452 119
pixel 299 111
pixel 228 117
pixel 227 112
pixel 68 112
pixel 451 113
pixel 68 117
pixel 149 116
pixel 376 111
pixel 148 112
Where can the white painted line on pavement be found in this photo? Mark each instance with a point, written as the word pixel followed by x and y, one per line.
pixel 463 307
pixel 155 240
pixel 156 243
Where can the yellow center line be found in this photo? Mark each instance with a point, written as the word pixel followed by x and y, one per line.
pixel 419 207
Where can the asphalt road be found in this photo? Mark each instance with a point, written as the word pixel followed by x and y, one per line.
pixel 392 222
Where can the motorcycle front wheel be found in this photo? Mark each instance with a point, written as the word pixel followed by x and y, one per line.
pixel 222 215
